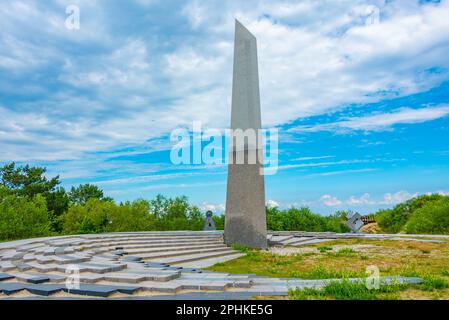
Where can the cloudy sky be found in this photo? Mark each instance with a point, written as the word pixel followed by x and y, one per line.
pixel 359 91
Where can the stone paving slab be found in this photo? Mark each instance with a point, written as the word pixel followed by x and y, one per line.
pixel 186 247
pixel 7 266
pixel 193 257
pixel 31 278
pixel 5 276
pixel 162 255
pixel 101 290
pixel 11 288
pixel 44 267
pixel 44 290
pixel 204 263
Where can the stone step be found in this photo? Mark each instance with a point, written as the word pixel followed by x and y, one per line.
pixel 173 243
pixel 195 257
pixel 174 248
pixel 145 238
pixel 70 259
pixel 310 241
pixel 146 242
pixel 102 240
pixel 204 263
pixel 280 239
pixel 137 277
pixel 98 290
pixel 7 266
pixel 5 276
pixel 92 267
pixel 294 240
pixel 43 267
pixel 31 278
pixel 131 277
pixel 165 254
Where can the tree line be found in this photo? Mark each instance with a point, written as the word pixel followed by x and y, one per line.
pixel 32 205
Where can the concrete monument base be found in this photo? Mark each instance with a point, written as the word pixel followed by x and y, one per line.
pixel 245 221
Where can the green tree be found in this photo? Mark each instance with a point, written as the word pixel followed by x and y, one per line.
pixel 431 218
pixel 27 181
pixel 130 216
pixel 219 221
pixel 85 192
pixel 22 217
pixel 303 219
pixel 175 214
pixel 58 202
pixel 91 217
pixel 394 220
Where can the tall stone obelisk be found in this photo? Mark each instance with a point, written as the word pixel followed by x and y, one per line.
pixel 245 218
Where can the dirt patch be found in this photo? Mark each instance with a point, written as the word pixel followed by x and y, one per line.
pixel 286 251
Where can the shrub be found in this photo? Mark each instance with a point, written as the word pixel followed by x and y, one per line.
pixel 303 219
pixel 394 220
pixel 131 216
pixel 219 221
pixel 432 218
pixel 161 214
pixel 175 214
pixel 93 217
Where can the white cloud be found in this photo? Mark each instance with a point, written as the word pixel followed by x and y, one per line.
pixel 388 198
pixel 322 164
pixel 398 197
pixel 196 13
pixel 216 208
pixel 380 121
pixel 365 199
pixel 312 158
pixel 121 90
pixel 272 204
pixel 333 173
pixel 330 201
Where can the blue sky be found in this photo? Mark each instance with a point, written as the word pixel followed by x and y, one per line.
pixel 359 91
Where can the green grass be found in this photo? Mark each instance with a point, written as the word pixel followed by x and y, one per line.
pixel 324 249
pixel 432 283
pixel 241 248
pixel 321 272
pixel 445 273
pixel 347 290
pixel 345 252
pixel 428 261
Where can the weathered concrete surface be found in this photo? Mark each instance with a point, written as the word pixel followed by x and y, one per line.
pixel 245 221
